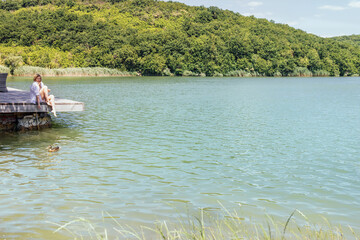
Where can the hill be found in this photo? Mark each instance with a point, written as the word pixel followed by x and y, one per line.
pixel 164 38
pixel 353 39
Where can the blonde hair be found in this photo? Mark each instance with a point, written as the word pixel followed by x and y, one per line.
pixel 36 76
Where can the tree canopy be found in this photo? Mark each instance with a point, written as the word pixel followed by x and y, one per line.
pixel 352 39
pixel 163 38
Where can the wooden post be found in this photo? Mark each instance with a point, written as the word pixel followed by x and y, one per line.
pixel 3 77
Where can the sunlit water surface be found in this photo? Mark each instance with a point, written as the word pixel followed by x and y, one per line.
pixel 150 149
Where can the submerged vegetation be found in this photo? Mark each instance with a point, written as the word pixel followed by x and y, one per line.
pixel 164 38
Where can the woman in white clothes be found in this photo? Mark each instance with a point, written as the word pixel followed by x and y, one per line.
pixel 40 93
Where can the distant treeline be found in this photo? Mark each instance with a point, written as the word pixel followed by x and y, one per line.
pixel 352 39
pixel 164 38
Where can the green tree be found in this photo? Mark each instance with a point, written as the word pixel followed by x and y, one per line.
pixel 151 36
pixel 13 62
pixel 153 64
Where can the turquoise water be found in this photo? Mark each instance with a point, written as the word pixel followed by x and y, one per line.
pixel 146 149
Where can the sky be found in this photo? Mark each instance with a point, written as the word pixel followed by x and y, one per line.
pixel 323 18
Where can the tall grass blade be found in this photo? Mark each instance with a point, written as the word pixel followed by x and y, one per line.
pixel 269 229
pixel 286 224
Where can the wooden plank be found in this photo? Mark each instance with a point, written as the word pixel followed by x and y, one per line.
pixel 17 101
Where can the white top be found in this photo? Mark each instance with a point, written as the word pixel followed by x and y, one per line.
pixel 35 91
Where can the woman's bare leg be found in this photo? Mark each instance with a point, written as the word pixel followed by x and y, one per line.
pixel 52 103
pixel 50 100
pixel 44 94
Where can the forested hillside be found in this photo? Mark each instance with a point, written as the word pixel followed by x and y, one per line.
pixel 164 38
pixel 352 39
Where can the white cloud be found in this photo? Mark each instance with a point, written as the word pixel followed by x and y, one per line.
pixel 354 4
pixel 255 4
pixel 331 7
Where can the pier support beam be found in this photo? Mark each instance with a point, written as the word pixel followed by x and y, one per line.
pixel 24 121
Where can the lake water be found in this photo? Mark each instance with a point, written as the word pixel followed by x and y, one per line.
pixel 149 149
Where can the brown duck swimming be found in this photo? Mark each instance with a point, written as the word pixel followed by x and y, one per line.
pixel 53 148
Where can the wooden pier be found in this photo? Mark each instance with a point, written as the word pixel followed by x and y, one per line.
pixel 18 101
pixel 17 113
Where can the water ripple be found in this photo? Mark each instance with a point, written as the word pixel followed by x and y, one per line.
pixel 149 145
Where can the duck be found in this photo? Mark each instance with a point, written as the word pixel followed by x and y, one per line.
pixel 53 148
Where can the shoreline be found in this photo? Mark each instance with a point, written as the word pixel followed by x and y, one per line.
pixel 75 75
pixel 120 75
pixel 29 71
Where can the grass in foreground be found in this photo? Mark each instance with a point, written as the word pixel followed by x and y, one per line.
pixel 206 226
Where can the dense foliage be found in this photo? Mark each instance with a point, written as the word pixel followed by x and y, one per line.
pixel 353 39
pixel 164 38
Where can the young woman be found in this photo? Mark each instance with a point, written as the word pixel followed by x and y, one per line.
pixel 40 93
